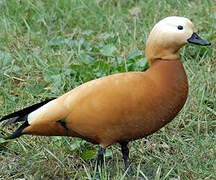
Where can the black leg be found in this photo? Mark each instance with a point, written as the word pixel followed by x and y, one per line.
pixel 100 161
pixel 125 153
pixel 100 158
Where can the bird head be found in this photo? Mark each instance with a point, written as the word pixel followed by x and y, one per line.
pixel 168 36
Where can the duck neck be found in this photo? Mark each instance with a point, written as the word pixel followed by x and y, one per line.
pixel 160 51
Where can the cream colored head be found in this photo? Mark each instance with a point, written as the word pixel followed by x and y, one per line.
pixel 167 37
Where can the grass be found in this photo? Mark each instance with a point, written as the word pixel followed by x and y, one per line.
pixel 49 47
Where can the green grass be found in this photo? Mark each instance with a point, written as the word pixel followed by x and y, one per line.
pixel 49 47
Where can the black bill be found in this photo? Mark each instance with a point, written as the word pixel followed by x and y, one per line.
pixel 195 39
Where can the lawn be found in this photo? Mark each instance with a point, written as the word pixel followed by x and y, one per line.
pixel 50 47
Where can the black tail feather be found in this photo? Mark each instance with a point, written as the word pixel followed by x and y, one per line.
pixel 14 120
pixel 21 116
pixel 25 111
pixel 18 132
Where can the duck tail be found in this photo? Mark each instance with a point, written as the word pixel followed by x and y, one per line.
pixel 20 116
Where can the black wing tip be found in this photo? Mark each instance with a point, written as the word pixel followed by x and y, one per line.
pixel 15 120
pixel 25 111
pixel 9 122
pixel 21 116
pixel 12 136
pixel 12 115
pixel 18 132
pixel 4 118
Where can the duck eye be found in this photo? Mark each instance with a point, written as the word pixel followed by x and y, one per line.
pixel 180 27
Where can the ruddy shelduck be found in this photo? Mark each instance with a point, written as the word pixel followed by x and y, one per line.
pixel 121 107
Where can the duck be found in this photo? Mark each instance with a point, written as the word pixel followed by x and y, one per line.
pixel 122 107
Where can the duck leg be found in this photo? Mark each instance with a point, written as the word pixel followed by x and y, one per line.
pixel 99 161
pixel 125 153
pixel 100 158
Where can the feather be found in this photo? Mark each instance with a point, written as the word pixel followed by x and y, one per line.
pixel 21 115
pixel 23 112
